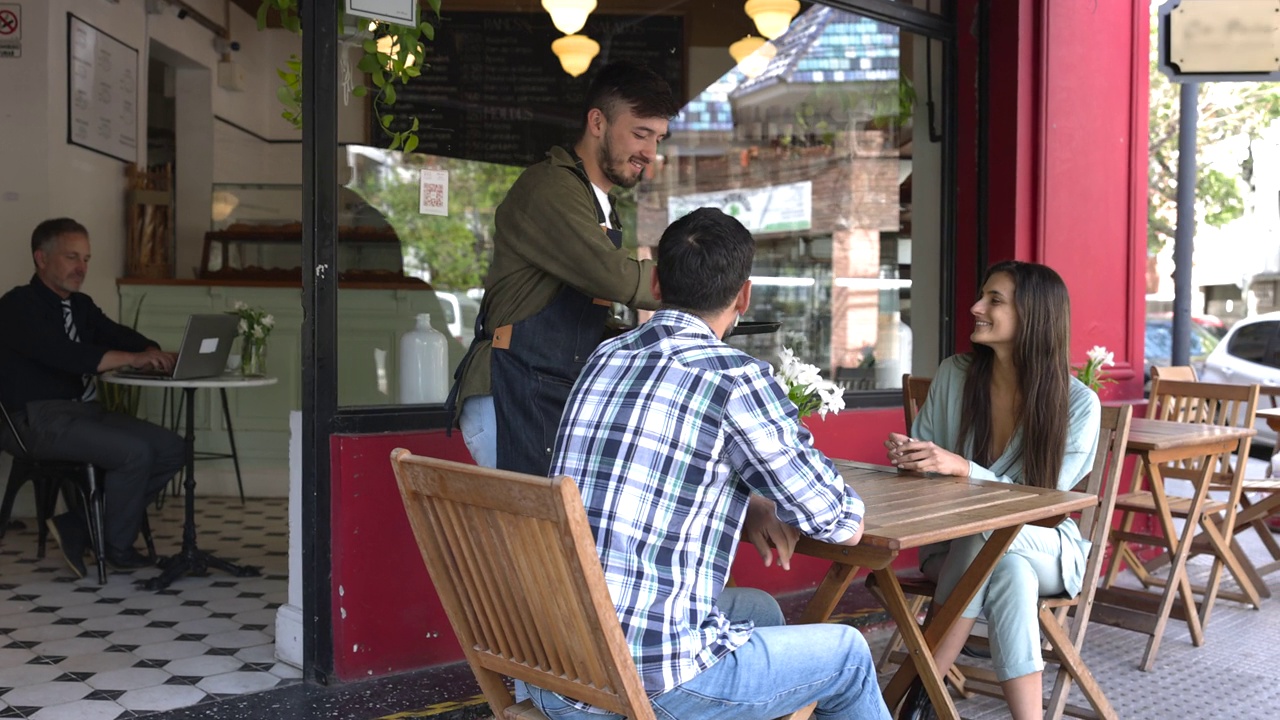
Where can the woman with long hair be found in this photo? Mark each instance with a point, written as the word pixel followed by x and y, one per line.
pixel 1009 411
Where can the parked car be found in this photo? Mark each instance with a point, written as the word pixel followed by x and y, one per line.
pixel 460 313
pixel 1250 353
pixel 1159 345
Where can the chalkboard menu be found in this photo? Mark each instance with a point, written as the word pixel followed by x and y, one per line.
pixel 492 90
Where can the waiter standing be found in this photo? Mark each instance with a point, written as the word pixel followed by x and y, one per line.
pixel 558 265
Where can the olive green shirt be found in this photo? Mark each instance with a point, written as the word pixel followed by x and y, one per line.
pixel 547 235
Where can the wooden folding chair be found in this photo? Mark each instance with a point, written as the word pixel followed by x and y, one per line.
pixel 515 564
pixel 1065 620
pixel 1192 402
pixel 1259 503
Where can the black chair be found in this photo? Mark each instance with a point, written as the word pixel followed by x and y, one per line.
pixel 48 477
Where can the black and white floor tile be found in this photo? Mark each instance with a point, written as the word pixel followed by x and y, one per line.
pixel 71 649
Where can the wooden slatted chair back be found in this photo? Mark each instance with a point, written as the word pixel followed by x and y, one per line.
pixel 515 564
pixel 914 391
pixel 1181 373
pixel 1208 403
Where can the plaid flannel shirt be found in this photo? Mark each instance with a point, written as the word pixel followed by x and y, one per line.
pixel 667 433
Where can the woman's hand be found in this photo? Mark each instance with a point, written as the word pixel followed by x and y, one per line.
pixel 906 453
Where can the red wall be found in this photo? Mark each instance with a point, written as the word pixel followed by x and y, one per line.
pixel 387 617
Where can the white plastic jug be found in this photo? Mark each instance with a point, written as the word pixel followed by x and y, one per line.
pixel 424 364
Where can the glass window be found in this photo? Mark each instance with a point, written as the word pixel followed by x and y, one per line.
pixel 1250 342
pixel 823 151
pixel 823 155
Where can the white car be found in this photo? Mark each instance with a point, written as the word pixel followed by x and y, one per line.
pixel 1248 354
pixel 460 314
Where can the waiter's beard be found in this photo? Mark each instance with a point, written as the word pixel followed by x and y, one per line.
pixel 614 168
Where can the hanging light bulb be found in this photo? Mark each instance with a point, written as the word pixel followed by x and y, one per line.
pixel 752 54
pixel 575 52
pixel 772 17
pixel 569 15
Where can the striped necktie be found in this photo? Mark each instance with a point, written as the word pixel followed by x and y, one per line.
pixel 68 323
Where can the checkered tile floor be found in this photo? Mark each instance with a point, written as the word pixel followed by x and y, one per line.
pixel 71 649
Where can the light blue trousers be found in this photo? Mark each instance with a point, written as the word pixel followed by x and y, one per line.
pixel 1030 569
pixel 479 425
pixel 778 671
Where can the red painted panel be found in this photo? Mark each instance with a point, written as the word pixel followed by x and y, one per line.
pixel 386 614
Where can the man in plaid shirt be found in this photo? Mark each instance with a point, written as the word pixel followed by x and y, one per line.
pixel 682 445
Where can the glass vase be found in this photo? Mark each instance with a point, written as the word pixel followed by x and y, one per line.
pixel 253 356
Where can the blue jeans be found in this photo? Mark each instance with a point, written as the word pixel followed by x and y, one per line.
pixel 778 671
pixel 479 428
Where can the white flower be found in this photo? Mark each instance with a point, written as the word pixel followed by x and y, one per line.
pixel 269 321
pixel 259 332
pixel 243 327
pixel 1101 357
pixel 240 305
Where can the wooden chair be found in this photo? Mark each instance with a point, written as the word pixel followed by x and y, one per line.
pixel 515 564
pixel 914 391
pixel 1065 620
pixel 1180 373
pixel 1259 514
pixel 1192 402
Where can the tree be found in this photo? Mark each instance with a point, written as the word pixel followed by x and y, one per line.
pixel 1227 109
pixel 457 248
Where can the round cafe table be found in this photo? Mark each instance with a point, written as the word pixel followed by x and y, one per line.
pixel 191 560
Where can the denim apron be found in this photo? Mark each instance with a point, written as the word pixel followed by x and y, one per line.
pixel 534 363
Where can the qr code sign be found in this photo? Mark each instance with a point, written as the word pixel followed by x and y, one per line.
pixel 434 192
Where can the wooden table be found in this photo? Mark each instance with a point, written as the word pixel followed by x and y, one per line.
pixel 907 511
pixel 1156 442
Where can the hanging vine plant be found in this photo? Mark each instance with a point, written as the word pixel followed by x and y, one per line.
pixel 390 55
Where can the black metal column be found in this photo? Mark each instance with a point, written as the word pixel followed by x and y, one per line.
pixel 319 324
pixel 1184 239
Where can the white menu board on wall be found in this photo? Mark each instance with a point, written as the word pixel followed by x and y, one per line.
pixel 102 91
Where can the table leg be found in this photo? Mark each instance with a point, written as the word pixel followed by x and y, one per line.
pixel 828 594
pixel 939 624
pixel 1178 581
pixel 191 560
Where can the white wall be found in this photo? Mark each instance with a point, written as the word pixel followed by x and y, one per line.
pixel 43 176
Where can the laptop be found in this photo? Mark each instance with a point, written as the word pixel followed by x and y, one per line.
pixel 203 353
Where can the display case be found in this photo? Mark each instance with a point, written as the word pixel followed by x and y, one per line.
pixel 257 235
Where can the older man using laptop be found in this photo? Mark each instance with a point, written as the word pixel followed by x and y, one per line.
pixel 54 340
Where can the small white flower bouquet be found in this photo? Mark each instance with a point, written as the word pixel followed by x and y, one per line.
pixel 806 388
pixel 255 323
pixel 1090 373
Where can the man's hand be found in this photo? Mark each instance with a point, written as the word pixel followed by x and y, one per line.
pixel 764 530
pixel 155 358
pixel 907 453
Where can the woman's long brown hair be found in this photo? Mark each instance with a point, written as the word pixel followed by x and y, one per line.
pixel 1042 360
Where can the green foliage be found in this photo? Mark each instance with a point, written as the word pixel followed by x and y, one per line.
pixel 385 70
pixel 1226 109
pixel 457 247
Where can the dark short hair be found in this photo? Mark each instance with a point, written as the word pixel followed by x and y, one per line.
pixel 49 230
pixel 641 89
pixel 704 258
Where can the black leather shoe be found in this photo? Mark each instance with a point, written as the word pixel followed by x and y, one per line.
pixel 71 541
pixel 916 705
pixel 129 559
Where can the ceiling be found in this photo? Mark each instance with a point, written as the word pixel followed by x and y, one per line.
pixel 711 23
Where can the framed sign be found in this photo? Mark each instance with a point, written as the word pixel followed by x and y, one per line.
pixel 102 92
